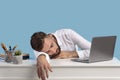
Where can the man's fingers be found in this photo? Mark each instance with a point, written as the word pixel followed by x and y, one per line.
pixel 38 72
pixel 42 73
pixel 50 69
pixel 43 77
pixel 46 70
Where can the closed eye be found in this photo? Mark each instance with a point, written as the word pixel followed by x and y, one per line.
pixel 51 45
pixel 49 48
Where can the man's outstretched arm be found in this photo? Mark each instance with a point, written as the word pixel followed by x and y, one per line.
pixel 43 67
pixel 67 54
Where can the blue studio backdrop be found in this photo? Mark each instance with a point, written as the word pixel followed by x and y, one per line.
pixel 19 19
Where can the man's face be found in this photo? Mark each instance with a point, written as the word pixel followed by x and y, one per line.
pixel 50 47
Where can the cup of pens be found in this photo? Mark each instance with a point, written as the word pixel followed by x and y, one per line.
pixel 8 56
pixel 8 52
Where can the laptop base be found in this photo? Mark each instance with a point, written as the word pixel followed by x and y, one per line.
pixel 79 60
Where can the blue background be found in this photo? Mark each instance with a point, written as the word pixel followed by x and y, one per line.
pixel 19 19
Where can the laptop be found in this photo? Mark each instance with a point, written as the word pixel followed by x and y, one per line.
pixel 102 49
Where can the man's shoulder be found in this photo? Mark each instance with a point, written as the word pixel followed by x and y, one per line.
pixel 64 30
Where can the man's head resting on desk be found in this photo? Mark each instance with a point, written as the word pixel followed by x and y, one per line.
pixel 47 43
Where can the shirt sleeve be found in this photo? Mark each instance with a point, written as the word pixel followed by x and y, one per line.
pixel 78 40
pixel 39 53
pixel 82 43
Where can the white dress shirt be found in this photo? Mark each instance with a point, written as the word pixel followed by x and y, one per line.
pixel 69 40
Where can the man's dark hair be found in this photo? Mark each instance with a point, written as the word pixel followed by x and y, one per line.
pixel 37 40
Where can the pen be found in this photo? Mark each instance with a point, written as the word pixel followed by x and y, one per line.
pixel 14 47
pixel 4 47
pixel 10 48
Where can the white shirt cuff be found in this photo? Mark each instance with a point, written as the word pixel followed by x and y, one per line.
pixel 39 53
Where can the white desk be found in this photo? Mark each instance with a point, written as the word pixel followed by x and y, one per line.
pixel 63 69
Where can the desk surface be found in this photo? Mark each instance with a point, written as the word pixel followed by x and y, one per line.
pixel 64 63
pixel 68 62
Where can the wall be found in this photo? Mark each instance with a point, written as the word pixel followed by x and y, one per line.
pixel 19 19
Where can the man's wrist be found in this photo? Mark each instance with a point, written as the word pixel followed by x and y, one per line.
pixel 75 55
pixel 44 56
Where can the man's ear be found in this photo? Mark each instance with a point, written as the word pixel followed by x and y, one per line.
pixel 50 36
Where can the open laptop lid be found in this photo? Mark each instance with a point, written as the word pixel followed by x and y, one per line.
pixel 102 48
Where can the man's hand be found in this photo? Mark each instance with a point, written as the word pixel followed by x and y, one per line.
pixel 67 54
pixel 42 67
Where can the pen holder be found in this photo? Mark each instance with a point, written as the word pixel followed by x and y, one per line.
pixel 8 56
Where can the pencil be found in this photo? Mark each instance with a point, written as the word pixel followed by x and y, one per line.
pixel 4 47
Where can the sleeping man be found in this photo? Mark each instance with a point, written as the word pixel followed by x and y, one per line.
pixel 60 44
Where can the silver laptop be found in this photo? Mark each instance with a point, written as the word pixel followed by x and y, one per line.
pixel 102 49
